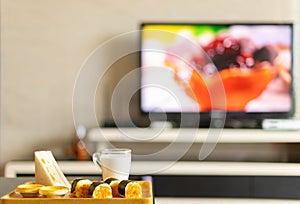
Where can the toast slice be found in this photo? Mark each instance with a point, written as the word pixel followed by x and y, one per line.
pixel 47 171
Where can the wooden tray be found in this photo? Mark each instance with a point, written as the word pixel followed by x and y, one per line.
pixel 147 198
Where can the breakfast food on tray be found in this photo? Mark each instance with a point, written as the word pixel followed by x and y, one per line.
pixel 47 171
pixel 100 189
pixel 84 188
pixel 110 188
pixel 114 184
pixel 124 188
pixel 53 191
pixel 29 190
pixel 130 189
pixel 80 188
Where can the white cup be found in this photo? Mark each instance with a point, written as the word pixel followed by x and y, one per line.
pixel 114 163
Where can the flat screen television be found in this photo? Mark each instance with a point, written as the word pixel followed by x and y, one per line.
pixel 244 70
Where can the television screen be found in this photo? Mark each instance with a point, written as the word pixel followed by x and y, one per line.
pixel 244 70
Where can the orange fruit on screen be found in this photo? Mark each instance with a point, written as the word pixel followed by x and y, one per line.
pixel 239 86
pixel 199 91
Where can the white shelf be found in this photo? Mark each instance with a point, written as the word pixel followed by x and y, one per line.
pixel 13 168
pixel 197 135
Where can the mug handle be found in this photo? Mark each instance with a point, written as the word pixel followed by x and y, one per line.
pixel 96 158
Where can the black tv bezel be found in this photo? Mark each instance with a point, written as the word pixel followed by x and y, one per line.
pixel 245 119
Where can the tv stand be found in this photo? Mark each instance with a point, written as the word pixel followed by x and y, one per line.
pixel 227 135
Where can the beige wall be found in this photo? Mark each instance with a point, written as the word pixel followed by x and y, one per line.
pixel 45 42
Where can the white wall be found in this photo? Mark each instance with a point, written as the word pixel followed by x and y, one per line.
pixel 45 42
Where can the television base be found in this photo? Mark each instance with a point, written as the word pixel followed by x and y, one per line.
pixel 281 124
pixel 220 123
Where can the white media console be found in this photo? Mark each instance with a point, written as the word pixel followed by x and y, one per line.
pixel 199 168
pixel 100 135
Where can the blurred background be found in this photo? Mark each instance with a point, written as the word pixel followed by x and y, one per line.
pixel 45 43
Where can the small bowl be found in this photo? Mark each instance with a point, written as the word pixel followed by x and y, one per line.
pixel 53 191
pixel 29 190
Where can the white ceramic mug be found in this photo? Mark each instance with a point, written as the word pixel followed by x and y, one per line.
pixel 114 163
